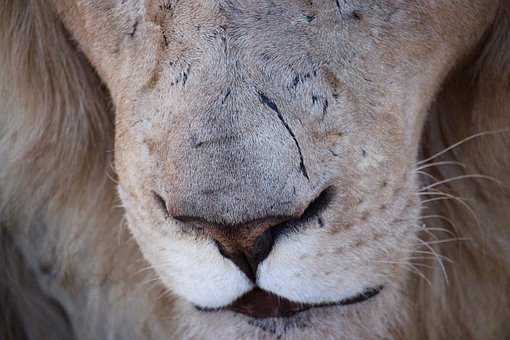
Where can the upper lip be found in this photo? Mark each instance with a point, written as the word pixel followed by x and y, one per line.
pixel 260 304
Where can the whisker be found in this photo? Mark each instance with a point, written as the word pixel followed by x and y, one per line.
pixel 434 254
pixel 417 258
pixel 430 229
pixel 439 217
pixel 438 193
pixel 443 218
pixel 467 139
pixel 455 239
pixel 426 174
pixel 410 267
pixel 459 200
pixel 413 269
pixel 443 230
pixel 436 199
pixel 439 259
pixel 458 178
pixel 164 293
pixel 407 261
pixel 144 270
pixel 453 163
pixel 122 230
pixel 430 233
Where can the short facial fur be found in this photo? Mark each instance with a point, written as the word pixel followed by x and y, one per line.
pixel 242 110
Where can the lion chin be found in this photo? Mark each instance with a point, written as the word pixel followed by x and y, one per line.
pixel 238 169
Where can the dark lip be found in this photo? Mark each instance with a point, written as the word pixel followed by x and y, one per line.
pixel 259 304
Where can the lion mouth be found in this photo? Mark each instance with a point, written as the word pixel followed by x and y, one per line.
pixel 260 304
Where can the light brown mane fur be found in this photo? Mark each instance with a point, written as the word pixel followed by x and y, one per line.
pixel 56 134
pixel 474 101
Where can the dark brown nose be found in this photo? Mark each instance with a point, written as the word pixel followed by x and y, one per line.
pixel 247 244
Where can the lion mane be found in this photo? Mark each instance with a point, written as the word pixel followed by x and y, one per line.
pixel 56 137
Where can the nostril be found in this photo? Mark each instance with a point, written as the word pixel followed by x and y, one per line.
pixel 161 203
pixel 313 210
pixel 319 203
pixel 261 248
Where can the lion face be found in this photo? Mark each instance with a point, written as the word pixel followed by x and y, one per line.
pixel 266 150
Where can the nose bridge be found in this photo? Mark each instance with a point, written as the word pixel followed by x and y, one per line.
pixel 233 164
pixel 234 185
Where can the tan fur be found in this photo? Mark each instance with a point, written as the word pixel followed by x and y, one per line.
pixel 474 99
pixel 58 202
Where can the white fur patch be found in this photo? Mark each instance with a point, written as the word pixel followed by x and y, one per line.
pixel 192 268
pixel 295 271
pixel 197 272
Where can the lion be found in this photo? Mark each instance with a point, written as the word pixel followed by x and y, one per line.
pixel 241 169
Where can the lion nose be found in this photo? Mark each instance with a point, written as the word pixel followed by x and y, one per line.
pixel 246 245
pixel 249 243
